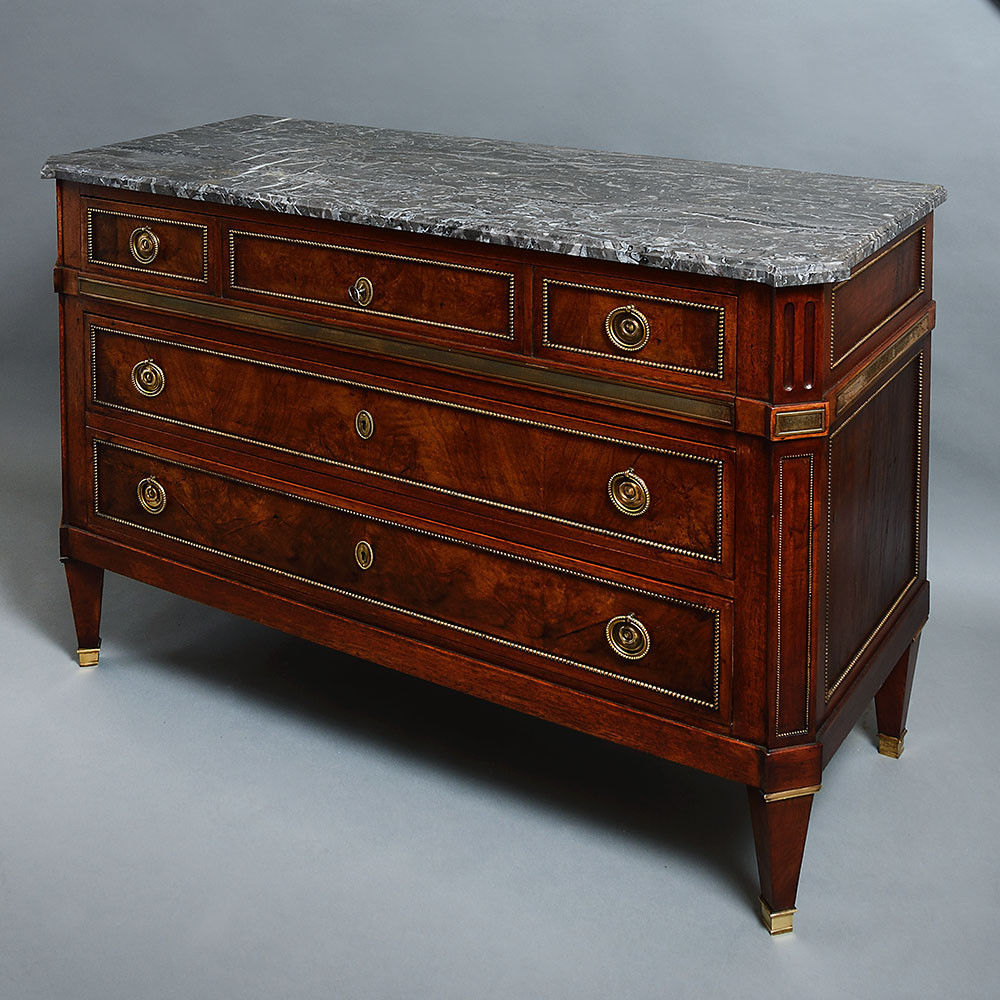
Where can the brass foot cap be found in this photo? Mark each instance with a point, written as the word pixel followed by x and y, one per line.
pixel 776 921
pixel 891 746
pixel 88 657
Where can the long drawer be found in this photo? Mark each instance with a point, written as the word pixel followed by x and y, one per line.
pixel 670 500
pixel 434 295
pixel 664 645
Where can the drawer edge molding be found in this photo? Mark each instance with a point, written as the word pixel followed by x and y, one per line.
pixel 666 401
pixel 717 557
pixel 715 612
pixel 717 373
pixel 91 259
pixel 509 275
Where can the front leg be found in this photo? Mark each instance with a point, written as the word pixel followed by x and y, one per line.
pixel 86 586
pixel 780 821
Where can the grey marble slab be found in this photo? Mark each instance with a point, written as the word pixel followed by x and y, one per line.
pixel 782 227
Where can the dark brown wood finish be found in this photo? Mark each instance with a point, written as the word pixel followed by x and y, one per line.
pixel 778 570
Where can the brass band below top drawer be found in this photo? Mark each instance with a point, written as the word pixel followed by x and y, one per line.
pixel 604 485
pixel 667 646
pixel 128 238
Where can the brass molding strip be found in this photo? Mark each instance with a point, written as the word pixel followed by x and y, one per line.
pixel 795 421
pixel 674 403
pixel 922 233
pixel 792 793
pixel 146 270
pixel 233 233
pixel 716 613
pixel 717 463
pixel 914 579
pixel 638 296
pixel 881 362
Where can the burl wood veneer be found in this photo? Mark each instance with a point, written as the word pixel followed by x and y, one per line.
pixel 510 427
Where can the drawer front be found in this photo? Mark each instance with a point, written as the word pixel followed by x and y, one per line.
pixel 669 647
pixel 601 485
pixel 642 332
pixel 361 285
pixel 127 239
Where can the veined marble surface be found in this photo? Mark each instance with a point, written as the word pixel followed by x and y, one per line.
pixel 782 227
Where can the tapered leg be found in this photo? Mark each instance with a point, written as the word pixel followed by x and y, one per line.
pixel 892 701
pixel 86 585
pixel 779 830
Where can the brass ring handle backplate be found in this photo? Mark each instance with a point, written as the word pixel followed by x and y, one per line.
pixel 364 556
pixel 629 493
pixel 148 378
pixel 627 328
pixel 362 292
pixel 144 245
pixel 364 424
pixel 628 637
pixel 152 496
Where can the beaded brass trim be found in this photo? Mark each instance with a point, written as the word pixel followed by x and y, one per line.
pixel 662 546
pixel 922 233
pixel 908 586
pixel 147 270
pixel 717 373
pixel 233 233
pixel 716 613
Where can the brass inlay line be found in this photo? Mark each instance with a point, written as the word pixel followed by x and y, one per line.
pixel 720 343
pixel 146 270
pixel 791 793
pixel 716 613
pixel 676 403
pixel 922 233
pixel 919 361
pixel 233 233
pixel 663 546
pixel 881 362
pixel 809 596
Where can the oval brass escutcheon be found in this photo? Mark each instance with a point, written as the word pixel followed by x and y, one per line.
pixel 152 496
pixel 364 424
pixel 629 493
pixel 148 378
pixel 627 328
pixel 362 292
pixel 628 637
pixel 144 245
pixel 363 554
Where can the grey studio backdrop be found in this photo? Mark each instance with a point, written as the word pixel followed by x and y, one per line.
pixel 221 811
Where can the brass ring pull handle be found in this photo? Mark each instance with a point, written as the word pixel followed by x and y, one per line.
pixel 152 496
pixel 148 378
pixel 628 637
pixel 362 292
pixel 364 556
pixel 364 424
pixel 629 493
pixel 627 328
pixel 144 245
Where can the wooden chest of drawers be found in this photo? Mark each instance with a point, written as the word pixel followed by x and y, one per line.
pixel 676 502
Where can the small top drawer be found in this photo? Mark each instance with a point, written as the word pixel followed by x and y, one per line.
pixel 641 331
pixel 388 290
pixel 127 238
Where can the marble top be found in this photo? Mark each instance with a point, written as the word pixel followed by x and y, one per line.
pixel 782 227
